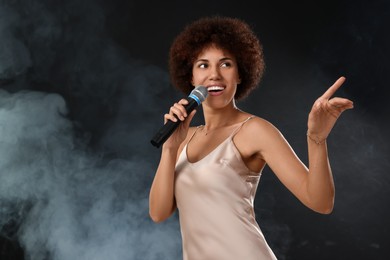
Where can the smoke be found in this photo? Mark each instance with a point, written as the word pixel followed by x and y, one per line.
pixel 76 205
pixel 74 175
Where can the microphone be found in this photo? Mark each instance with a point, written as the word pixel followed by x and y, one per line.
pixel 196 97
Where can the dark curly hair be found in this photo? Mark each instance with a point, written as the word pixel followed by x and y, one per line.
pixel 231 34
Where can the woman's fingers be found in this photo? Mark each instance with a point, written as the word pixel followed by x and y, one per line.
pixel 332 89
pixel 338 103
pixel 189 118
pixel 177 111
pixel 327 109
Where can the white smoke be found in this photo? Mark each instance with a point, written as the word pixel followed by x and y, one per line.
pixel 75 204
pixel 61 198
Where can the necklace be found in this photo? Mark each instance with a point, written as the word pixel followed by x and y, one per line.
pixel 205 131
pixel 226 124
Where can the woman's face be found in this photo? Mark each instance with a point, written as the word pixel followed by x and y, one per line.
pixel 217 70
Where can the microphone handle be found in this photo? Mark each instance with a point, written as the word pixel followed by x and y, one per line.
pixel 169 127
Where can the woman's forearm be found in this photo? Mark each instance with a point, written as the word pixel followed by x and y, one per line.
pixel 320 184
pixel 161 197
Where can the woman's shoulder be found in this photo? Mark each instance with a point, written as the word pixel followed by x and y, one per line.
pixel 257 123
pixel 259 128
pixel 257 135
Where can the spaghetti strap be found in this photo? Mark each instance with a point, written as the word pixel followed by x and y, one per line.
pixel 239 127
pixel 196 130
pixel 230 136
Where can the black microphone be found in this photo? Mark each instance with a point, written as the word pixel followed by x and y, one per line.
pixel 196 97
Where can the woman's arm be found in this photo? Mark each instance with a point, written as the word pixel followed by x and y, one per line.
pixel 323 116
pixel 319 182
pixel 161 197
pixel 312 185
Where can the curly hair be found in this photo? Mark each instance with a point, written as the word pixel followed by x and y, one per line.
pixel 230 34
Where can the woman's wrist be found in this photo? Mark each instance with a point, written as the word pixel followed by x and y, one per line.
pixel 317 139
pixel 171 148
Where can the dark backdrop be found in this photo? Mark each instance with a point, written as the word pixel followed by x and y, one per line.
pixel 84 85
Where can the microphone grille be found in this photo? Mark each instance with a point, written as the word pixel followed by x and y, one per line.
pixel 200 92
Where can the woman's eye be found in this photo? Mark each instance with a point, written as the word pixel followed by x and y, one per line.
pixel 226 64
pixel 203 65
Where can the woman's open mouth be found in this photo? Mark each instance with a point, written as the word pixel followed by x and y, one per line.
pixel 215 90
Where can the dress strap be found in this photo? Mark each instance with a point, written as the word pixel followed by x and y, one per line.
pixel 239 127
pixel 196 130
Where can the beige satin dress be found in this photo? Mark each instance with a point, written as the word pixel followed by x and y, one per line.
pixel 215 198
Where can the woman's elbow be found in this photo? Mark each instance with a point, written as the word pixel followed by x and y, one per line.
pixel 325 209
pixel 158 217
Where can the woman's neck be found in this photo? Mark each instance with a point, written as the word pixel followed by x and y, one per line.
pixel 217 118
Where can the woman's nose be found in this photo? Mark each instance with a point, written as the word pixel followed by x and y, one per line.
pixel 214 73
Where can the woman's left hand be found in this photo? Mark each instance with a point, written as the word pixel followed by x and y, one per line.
pixel 326 110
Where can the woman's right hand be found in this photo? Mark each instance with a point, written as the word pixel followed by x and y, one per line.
pixel 177 112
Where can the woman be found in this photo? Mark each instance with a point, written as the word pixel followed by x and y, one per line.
pixel 210 173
